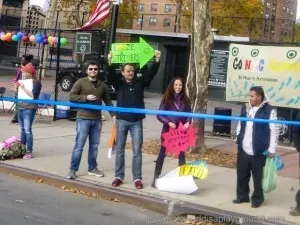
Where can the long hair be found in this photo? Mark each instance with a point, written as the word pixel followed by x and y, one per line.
pixel 169 95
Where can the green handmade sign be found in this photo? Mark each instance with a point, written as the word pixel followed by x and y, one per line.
pixel 140 52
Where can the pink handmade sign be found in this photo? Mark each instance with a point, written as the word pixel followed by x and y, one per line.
pixel 177 140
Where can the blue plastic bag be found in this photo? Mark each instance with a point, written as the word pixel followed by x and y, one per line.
pixel 277 161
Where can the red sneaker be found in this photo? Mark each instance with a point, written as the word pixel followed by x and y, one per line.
pixel 117 182
pixel 138 184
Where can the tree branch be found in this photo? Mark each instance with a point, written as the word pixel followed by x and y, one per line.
pixel 77 15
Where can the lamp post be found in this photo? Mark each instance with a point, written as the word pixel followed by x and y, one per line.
pixel 114 21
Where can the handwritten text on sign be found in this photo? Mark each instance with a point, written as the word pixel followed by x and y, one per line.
pixel 140 52
pixel 276 69
pixel 177 140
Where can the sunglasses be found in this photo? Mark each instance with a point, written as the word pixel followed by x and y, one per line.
pixel 95 69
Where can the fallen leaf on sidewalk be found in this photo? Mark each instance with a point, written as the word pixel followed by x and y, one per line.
pixel 20 201
pixel 116 200
pixel 214 157
pixel 39 180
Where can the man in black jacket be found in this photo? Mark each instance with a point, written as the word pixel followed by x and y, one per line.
pixel 130 94
pixel 296 140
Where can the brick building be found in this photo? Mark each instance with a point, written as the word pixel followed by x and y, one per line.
pixel 156 16
pixel 280 18
pixel 277 25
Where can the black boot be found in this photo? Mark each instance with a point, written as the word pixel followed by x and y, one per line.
pixel 181 159
pixel 157 171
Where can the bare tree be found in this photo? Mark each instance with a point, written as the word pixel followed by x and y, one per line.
pixel 197 79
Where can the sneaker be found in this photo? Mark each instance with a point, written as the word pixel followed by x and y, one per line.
pixel 295 212
pixel 14 122
pixel 138 184
pixel 72 175
pixel 27 156
pixel 96 172
pixel 117 182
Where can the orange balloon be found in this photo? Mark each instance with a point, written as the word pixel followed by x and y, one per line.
pixel 3 38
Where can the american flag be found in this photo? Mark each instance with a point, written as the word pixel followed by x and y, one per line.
pixel 100 13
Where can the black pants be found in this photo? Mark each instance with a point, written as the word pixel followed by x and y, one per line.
pixel 247 164
pixel 162 154
pixel 298 199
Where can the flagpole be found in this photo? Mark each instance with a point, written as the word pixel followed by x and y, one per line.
pixel 113 25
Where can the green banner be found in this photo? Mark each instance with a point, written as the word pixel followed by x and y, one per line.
pixel 140 53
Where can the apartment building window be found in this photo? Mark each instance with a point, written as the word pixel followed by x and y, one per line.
pixel 152 21
pixel 139 20
pixel 267 16
pixel 168 8
pixel 154 7
pixel 141 7
pixel 167 22
pixel 268 4
pixel 13 3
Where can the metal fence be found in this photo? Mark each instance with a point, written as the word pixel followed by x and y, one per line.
pixel 78 55
pixel 58 63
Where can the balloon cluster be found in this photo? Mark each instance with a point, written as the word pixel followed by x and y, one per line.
pixel 31 38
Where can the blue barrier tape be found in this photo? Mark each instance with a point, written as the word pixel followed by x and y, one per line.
pixel 146 111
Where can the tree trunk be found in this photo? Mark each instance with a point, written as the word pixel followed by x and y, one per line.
pixel 178 16
pixel 197 79
pixel 48 25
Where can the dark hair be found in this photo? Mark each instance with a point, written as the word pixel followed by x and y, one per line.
pixel 259 91
pixel 28 58
pixel 127 64
pixel 91 63
pixel 169 95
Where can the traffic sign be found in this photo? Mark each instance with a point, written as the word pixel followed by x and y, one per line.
pixel 83 43
pixel 140 52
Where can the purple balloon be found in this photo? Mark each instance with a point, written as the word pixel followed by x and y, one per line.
pixel 45 42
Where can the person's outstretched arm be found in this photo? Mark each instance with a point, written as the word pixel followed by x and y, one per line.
pixel 152 70
pixel 113 77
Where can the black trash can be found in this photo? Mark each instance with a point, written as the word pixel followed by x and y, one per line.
pixel 222 126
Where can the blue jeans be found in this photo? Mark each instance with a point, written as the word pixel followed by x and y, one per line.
pixel 25 119
pixel 136 132
pixel 86 128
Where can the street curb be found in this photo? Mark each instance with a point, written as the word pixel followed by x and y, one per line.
pixel 167 206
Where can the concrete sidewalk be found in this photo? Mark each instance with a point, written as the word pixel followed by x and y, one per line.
pixel 53 144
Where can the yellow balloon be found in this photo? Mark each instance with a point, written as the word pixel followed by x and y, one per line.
pixel 8 34
pixel 50 40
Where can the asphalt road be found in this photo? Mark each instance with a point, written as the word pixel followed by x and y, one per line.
pixel 24 202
